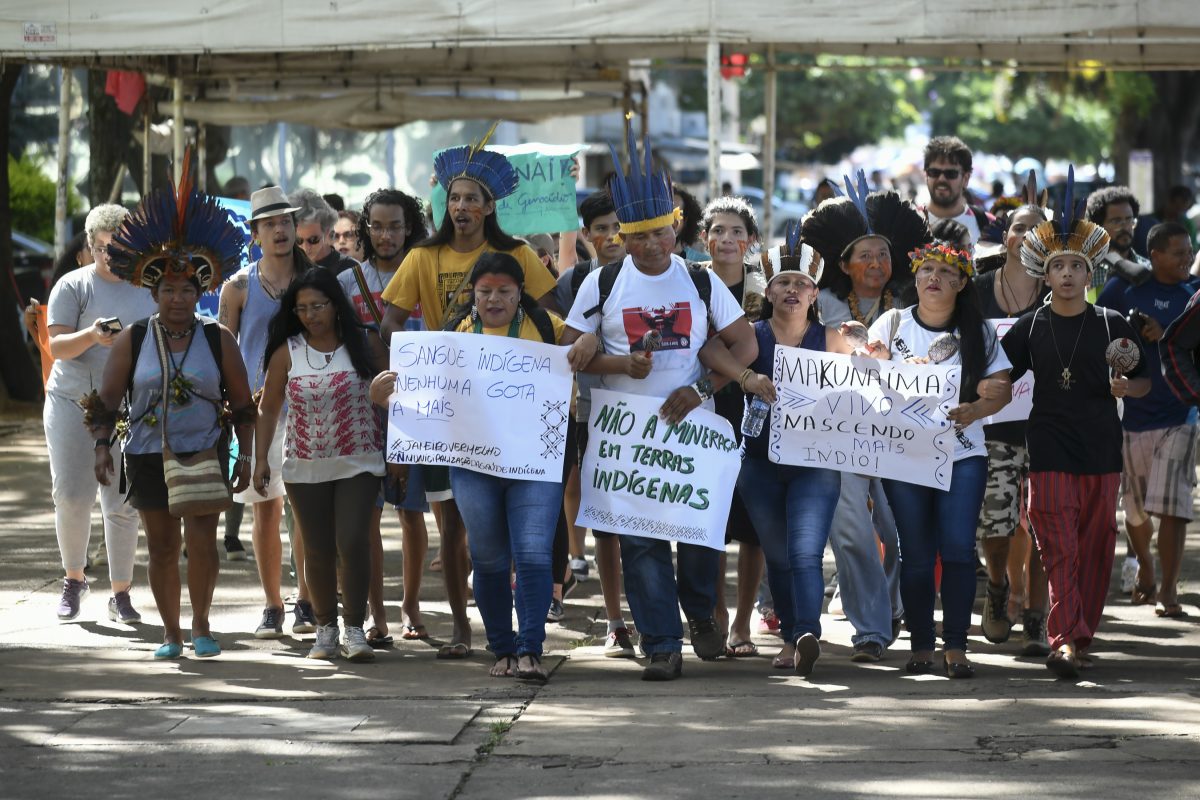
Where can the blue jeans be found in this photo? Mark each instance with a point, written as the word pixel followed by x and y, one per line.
pixel 655 598
pixel 510 522
pixel 792 508
pixel 932 522
pixel 870 590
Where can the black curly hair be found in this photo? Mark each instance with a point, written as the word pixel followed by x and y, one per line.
pixel 414 218
pixel 689 229
pixel 1099 201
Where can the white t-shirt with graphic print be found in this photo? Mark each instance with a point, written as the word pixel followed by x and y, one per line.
pixel 668 303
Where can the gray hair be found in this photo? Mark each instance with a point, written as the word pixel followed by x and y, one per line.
pixel 313 208
pixel 104 218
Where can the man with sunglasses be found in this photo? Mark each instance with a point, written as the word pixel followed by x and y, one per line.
pixel 947 171
pixel 314 230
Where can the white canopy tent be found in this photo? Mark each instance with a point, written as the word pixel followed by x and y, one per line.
pixel 372 63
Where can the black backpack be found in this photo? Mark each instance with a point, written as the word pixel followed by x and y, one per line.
pixel 699 273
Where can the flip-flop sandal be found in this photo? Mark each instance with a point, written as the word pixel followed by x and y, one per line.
pixel 510 666
pixel 376 640
pixel 742 649
pixel 455 652
pixel 1170 610
pixel 784 662
pixel 1144 597
pixel 536 675
pixel 413 633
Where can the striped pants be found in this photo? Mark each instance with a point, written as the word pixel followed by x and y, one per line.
pixel 1074 522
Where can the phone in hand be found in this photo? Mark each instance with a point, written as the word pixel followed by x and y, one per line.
pixel 111 325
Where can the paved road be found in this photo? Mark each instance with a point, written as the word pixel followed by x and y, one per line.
pixel 85 710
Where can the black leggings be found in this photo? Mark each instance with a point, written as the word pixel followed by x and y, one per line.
pixel 334 519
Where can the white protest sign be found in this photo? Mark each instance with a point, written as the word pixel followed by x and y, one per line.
pixel 1022 390
pixel 644 477
pixel 879 418
pixel 491 404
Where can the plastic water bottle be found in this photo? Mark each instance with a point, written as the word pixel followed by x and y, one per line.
pixel 755 416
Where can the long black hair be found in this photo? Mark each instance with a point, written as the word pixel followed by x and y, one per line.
pixel 285 324
pixel 414 219
pixel 689 228
pixel 492 233
pixel 495 264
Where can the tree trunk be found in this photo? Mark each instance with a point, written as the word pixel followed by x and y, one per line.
pixel 21 378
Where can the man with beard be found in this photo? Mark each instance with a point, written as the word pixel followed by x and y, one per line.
pixel 947 172
pixel 1115 209
pixel 248 302
pixel 434 274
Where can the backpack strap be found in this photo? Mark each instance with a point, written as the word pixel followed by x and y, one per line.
pixel 212 332
pixel 137 336
pixel 701 277
pixel 578 273
pixel 543 323
pixel 608 278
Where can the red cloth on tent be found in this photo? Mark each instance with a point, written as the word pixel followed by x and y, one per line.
pixel 127 88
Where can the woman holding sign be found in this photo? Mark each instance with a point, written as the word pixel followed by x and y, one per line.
pixel 945 327
pixel 322 360
pixel 791 506
pixel 509 521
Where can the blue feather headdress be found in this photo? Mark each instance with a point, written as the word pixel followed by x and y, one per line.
pixel 487 168
pixel 643 198
pixel 182 231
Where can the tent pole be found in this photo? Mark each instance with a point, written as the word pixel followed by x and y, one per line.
pixel 202 157
pixel 64 159
pixel 177 114
pixel 714 104
pixel 146 106
pixel 771 109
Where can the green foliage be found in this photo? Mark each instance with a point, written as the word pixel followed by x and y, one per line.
pixel 31 196
pixel 825 113
pixel 1023 114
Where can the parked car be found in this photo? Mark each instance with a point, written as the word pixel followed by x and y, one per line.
pixel 32 267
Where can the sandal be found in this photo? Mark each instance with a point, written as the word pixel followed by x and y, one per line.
pixel 742 649
pixel 1170 610
pixel 455 652
pixel 510 666
pixel 1144 596
pixel 376 639
pixel 413 633
pixel 536 675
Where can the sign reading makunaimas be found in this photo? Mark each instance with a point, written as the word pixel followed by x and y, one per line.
pixel 545 198
pixel 863 415
pixel 643 477
pixel 491 404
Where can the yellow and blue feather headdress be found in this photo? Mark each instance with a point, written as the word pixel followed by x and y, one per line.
pixel 489 169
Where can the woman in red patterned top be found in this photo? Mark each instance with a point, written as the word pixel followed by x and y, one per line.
pixel 321 360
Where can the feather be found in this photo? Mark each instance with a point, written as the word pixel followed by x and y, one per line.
pixel 1068 215
pixel 642 193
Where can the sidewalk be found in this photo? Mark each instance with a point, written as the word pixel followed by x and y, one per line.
pixel 85 710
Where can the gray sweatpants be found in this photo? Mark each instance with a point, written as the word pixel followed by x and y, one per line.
pixel 72 475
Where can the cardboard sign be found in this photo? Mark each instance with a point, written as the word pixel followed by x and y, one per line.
pixel 861 415
pixel 643 477
pixel 1022 390
pixel 490 404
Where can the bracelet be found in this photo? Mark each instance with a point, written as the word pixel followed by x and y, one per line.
pixel 747 374
pixel 102 443
pixel 242 458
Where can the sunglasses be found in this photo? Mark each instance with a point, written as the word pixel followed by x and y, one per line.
pixel 313 240
pixel 935 173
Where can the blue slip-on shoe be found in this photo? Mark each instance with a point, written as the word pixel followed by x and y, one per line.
pixel 205 647
pixel 169 650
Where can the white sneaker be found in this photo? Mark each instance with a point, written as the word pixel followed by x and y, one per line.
pixel 835 603
pixel 1129 571
pixel 326 646
pixel 355 646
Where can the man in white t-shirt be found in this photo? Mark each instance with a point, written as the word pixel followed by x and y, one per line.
pixel 947 172
pixel 655 297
